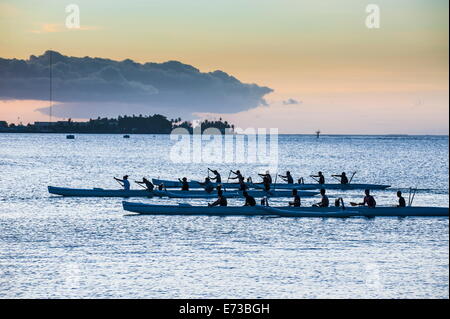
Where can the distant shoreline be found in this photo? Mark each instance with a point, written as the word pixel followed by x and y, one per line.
pixel 280 134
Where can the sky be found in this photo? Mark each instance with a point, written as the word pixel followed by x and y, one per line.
pixel 324 67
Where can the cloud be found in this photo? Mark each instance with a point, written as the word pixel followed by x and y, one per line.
pixel 291 102
pixel 97 86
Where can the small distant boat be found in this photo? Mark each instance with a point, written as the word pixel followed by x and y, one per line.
pixel 70 137
pixel 195 184
pixel 126 136
pixel 100 192
pixel 186 209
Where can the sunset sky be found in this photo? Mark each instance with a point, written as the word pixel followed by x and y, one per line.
pixel 341 76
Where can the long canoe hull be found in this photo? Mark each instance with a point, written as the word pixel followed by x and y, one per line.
pixel 188 210
pixel 99 192
pixel 151 209
pixel 195 184
pixel 361 211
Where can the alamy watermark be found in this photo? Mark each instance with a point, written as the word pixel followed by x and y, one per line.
pixel 373 17
pixel 256 146
pixel 73 17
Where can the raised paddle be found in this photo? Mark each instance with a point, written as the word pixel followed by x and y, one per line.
pixel 275 181
pixel 229 175
pixel 335 178
pixel 118 181
pixel 228 180
pixel 312 176
pixel 144 187
pixel 140 184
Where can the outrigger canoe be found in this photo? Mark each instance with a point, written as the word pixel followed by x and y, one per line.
pixel 100 192
pixel 186 209
pixel 195 184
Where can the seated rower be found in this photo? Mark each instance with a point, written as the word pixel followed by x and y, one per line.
pixel 207 185
pixel 320 177
pixel 337 202
pixel 296 202
pixel 149 185
pixel 343 177
pixel 241 180
pixel 266 176
pixel 217 178
pixel 325 202
pixel 242 186
pixel 161 187
pixel 287 178
pixel 369 200
pixel 267 183
pixel 184 184
pixel 249 200
pixel 237 175
pixel 221 200
pixel 401 200
pixel 124 182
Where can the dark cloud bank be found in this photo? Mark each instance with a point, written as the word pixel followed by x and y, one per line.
pixel 89 87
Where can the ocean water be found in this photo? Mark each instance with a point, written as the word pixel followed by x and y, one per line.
pixel 52 247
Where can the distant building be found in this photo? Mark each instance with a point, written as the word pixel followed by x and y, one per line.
pixel 3 124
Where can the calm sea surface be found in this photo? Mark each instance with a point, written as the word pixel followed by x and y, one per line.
pixel 52 247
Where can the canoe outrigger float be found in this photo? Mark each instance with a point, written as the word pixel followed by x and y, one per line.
pixel 186 209
pixel 195 184
pixel 100 192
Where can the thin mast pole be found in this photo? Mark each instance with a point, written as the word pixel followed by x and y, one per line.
pixel 51 86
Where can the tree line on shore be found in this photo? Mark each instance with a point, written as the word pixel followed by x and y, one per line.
pixel 151 124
